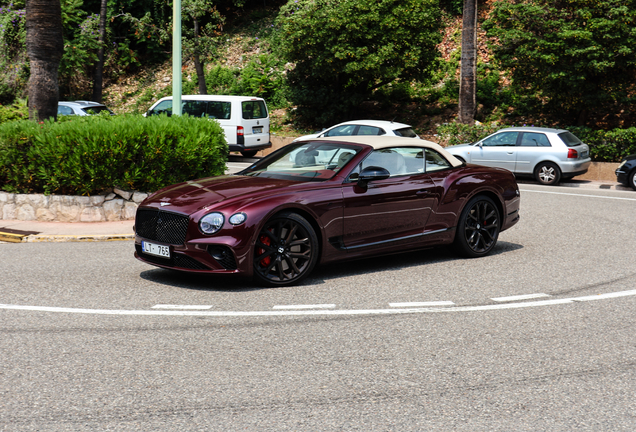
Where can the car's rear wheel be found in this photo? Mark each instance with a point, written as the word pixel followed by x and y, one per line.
pixel 631 180
pixel 286 250
pixel 478 228
pixel 547 173
pixel 249 153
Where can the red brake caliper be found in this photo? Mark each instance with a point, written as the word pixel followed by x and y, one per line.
pixel 268 242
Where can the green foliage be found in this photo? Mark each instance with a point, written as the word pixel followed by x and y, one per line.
pixel 13 61
pixel 571 56
pixel 16 111
pixel 345 50
pixel 457 133
pixel 263 76
pixel 85 155
pixel 607 146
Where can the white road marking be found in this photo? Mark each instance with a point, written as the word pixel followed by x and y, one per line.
pixel 325 312
pixel 578 195
pixel 318 306
pixel 422 304
pixel 182 307
pixel 519 297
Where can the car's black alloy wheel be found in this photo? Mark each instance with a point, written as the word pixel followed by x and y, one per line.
pixel 286 250
pixel 547 173
pixel 478 228
pixel 632 179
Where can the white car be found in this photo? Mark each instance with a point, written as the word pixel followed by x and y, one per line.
pixel 81 108
pixel 546 154
pixel 364 127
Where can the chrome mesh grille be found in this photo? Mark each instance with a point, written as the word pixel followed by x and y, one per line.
pixel 161 226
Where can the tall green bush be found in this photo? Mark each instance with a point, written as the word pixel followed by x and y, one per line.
pixel 86 155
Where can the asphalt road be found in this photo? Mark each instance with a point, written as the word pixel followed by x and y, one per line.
pixel 537 336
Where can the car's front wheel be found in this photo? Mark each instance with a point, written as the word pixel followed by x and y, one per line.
pixel 547 173
pixel 286 250
pixel 478 228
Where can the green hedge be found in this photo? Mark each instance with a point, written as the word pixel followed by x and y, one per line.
pixel 86 155
pixel 605 146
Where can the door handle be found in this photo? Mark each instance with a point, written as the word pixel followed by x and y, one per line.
pixel 422 193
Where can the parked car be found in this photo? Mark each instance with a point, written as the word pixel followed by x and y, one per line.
pixel 626 171
pixel 244 119
pixel 364 127
pixel 326 200
pixel 81 108
pixel 546 154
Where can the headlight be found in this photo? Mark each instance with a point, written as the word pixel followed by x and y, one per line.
pixel 237 218
pixel 211 223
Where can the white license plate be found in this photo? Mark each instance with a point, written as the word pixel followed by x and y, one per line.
pixel 155 249
pixel 257 129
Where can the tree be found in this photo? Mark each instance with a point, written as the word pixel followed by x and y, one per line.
pixel 572 57
pixel 99 66
pixel 343 51
pixel 467 83
pixel 199 40
pixel 44 48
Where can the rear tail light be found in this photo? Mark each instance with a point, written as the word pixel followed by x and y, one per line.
pixel 572 154
pixel 240 131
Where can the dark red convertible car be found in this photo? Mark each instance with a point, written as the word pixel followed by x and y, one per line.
pixel 325 200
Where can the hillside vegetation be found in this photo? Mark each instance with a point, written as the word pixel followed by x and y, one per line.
pixel 318 62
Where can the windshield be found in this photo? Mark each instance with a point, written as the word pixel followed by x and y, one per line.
pixel 309 161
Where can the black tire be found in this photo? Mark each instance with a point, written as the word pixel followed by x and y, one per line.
pixel 631 179
pixel 547 173
pixel 286 250
pixel 249 153
pixel 478 228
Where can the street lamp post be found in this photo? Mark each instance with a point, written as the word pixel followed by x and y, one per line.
pixel 176 57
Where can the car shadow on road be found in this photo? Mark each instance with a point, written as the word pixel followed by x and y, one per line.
pixel 399 261
pixel 206 282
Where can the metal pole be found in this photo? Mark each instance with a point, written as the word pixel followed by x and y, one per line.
pixel 176 57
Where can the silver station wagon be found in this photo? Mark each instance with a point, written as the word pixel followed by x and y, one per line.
pixel 548 155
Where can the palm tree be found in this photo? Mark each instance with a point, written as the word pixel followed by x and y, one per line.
pixel 467 84
pixel 45 46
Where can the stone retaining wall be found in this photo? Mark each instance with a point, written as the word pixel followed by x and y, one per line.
pixel 114 206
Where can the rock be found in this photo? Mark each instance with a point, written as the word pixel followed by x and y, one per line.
pixel 92 214
pixel 138 197
pixel 130 209
pixel 112 209
pixel 25 213
pixel 8 211
pixel 124 194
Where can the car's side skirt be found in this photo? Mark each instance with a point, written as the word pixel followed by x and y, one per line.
pixel 338 243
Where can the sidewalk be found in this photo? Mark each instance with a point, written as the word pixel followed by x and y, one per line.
pixel 17 231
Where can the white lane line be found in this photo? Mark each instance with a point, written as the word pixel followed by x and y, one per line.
pixel 182 307
pixel 422 304
pixel 325 312
pixel 316 306
pixel 578 195
pixel 519 297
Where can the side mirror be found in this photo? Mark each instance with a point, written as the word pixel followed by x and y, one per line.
pixel 372 173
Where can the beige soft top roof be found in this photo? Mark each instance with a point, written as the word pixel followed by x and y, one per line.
pixel 380 142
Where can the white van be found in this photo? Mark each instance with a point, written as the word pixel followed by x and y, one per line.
pixel 244 119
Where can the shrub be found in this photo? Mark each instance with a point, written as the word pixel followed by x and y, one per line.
pixel 86 155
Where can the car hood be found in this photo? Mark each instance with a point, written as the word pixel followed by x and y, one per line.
pixel 307 137
pixel 192 196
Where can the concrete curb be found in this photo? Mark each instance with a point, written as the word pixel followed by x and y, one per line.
pixel 76 238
